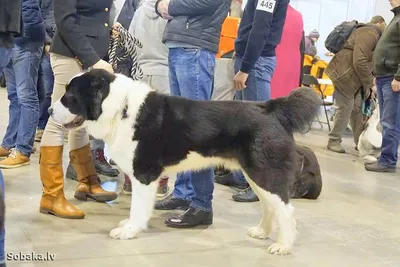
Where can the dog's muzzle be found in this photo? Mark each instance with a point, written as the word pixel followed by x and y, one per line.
pixel 63 116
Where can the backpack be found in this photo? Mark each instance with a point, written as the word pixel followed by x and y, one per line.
pixel 338 37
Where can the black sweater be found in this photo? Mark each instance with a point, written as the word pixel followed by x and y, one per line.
pixel 260 30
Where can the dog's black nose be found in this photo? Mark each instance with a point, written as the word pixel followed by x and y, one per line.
pixel 50 111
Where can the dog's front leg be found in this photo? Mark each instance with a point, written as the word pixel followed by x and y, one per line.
pixel 142 204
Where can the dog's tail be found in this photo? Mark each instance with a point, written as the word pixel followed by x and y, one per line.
pixel 297 111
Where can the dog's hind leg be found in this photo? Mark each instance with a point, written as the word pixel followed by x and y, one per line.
pixel 142 203
pixel 283 212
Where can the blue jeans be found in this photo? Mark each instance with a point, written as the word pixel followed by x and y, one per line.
pixel 45 89
pixel 21 76
pixel 191 75
pixel 2 231
pixel 389 105
pixel 258 88
pixel 4 57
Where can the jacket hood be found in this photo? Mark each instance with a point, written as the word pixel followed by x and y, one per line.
pixel 149 7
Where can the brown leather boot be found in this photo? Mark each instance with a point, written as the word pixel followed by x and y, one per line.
pixel 89 185
pixel 51 173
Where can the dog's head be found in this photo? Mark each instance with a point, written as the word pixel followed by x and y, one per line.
pixel 83 99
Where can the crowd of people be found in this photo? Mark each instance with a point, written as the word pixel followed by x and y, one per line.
pixel 58 39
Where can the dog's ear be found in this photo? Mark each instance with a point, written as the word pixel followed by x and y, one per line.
pixel 95 109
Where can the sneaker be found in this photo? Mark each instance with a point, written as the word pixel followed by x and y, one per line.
pixel 38 135
pixel 14 160
pixel 4 152
pixel 163 189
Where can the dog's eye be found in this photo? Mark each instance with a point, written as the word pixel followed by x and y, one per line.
pixel 69 95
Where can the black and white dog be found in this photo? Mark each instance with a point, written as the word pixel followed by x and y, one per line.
pixel 151 135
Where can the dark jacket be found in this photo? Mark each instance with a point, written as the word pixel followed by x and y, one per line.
pixel 46 7
pixel 10 21
pixel 33 24
pixel 260 31
pixel 387 52
pixel 196 22
pixel 351 68
pixel 82 30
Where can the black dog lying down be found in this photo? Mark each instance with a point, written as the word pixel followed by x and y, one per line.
pixel 307 183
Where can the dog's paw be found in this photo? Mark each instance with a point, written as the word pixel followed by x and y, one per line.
pixel 257 232
pixel 123 223
pixel 279 249
pixel 125 232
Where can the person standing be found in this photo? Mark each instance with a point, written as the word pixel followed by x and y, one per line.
pixel 80 42
pixel 21 76
pixel 289 56
pixel 260 32
pixel 387 72
pixel 192 36
pixel 121 12
pixel 148 27
pixel 310 40
pixel 351 73
pixel 10 27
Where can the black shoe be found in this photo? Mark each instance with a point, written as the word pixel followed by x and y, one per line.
pixel 376 167
pixel 226 178
pixel 112 162
pixel 246 195
pixel 190 218
pixel 172 203
pixel 71 174
pixel 101 164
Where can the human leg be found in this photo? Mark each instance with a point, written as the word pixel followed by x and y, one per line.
pixel 195 72
pixel 357 118
pixel 342 118
pixel 183 190
pixel 53 200
pixel 258 88
pixel 14 108
pixel 45 90
pixel 390 120
pixel 25 60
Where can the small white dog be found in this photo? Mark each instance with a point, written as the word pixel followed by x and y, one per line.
pixel 370 141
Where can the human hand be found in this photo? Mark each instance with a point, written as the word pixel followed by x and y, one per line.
pixel 162 8
pixel 47 49
pixel 114 30
pixel 239 81
pixel 374 82
pixel 395 85
pixel 101 64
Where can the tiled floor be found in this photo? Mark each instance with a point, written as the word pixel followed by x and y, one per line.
pixel 354 223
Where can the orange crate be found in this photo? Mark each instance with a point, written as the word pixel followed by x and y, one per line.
pixel 228 35
pixel 230 27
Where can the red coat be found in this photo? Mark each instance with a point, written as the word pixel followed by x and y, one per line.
pixel 288 56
